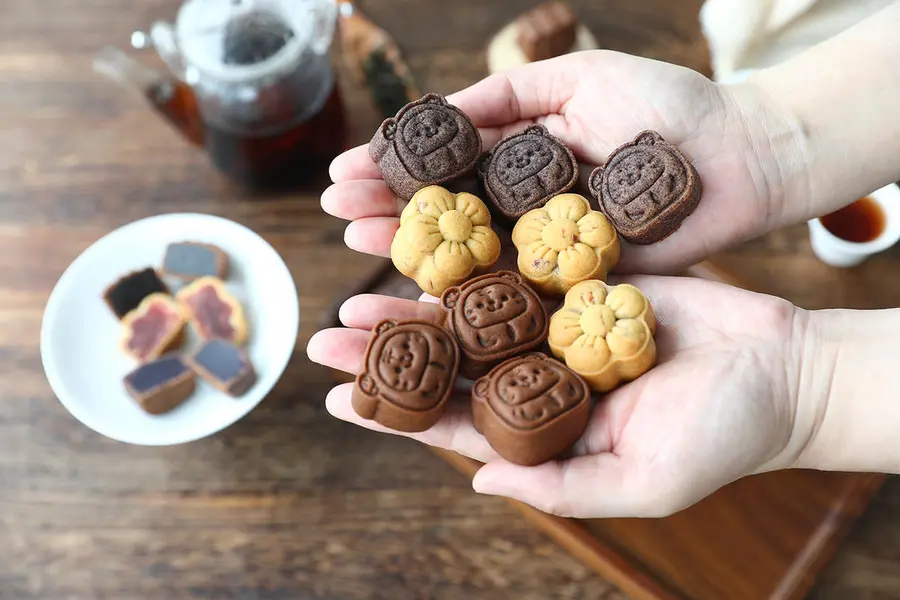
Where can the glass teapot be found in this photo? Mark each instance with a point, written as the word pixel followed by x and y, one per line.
pixel 250 81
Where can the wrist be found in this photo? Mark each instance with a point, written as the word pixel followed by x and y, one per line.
pixel 776 149
pixel 779 151
pixel 841 95
pixel 849 386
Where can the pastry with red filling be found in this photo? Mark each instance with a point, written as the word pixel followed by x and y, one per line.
pixel 153 328
pixel 214 313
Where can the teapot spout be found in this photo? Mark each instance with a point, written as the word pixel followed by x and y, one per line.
pixel 172 99
pixel 125 71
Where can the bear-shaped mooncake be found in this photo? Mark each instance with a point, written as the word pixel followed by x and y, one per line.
pixel 494 317
pixel 647 188
pixel 428 142
pixel 407 375
pixel 531 408
pixel 524 170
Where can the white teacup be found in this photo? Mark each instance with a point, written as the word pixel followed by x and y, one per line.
pixel 838 252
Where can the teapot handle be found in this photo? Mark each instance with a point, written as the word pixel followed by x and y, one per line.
pixel 162 38
pixel 325 19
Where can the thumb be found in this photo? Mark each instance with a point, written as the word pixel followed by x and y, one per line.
pixel 586 487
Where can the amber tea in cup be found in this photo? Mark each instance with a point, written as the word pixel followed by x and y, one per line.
pixel 846 237
pixel 861 222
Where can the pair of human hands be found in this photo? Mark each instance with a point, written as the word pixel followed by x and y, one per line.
pixel 720 404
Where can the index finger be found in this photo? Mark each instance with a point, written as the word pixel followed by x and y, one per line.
pixel 520 94
pixel 354 164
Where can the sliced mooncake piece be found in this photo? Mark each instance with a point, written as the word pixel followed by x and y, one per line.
pixel 213 311
pixel 153 328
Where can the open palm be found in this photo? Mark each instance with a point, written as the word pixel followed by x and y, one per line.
pixel 720 402
pixel 718 406
pixel 596 101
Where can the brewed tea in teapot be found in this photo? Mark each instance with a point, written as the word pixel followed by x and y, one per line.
pixel 250 81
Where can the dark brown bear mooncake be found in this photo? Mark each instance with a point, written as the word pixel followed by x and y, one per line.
pixel 493 317
pixel 647 188
pixel 428 142
pixel 531 408
pixel 408 372
pixel 524 170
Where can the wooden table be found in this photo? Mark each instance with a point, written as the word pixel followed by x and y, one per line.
pixel 289 503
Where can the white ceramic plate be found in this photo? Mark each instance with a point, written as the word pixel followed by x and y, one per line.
pixel 80 334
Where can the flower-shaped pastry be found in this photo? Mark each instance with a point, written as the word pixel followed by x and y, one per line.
pixel 563 243
pixel 604 333
pixel 443 238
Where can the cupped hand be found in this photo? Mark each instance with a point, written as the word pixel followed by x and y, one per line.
pixel 721 403
pixel 595 101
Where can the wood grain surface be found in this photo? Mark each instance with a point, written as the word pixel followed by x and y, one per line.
pixel 289 503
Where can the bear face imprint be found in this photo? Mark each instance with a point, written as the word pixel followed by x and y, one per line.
pixel 403 360
pixel 493 304
pixel 522 159
pixel 525 382
pixel 534 391
pixel 634 174
pixel 427 128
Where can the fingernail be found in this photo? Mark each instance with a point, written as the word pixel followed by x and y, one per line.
pixel 487 486
pixel 331 174
pixel 312 348
pixel 348 238
pixel 323 197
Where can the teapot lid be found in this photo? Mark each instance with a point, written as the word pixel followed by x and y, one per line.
pixel 243 39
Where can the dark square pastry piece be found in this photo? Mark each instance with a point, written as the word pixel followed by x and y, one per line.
pixel 126 294
pixel 225 366
pixel 190 260
pixel 160 385
pixel 547 30
pixel 531 408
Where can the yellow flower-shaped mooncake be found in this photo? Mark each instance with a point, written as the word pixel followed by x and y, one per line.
pixel 604 333
pixel 563 243
pixel 443 238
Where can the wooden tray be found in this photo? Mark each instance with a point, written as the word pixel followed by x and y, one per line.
pixel 763 537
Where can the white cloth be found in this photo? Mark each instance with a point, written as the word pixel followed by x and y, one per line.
pixel 745 35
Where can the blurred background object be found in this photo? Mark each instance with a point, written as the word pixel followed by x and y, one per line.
pixel 374 59
pixel 251 82
pixel 544 31
pixel 744 35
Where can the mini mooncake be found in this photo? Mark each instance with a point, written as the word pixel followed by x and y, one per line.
pixel 531 408
pixel 153 328
pixel 407 375
pixel 126 293
pixel 161 385
pixel 224 366
pixel 213 311
pixel 191 260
